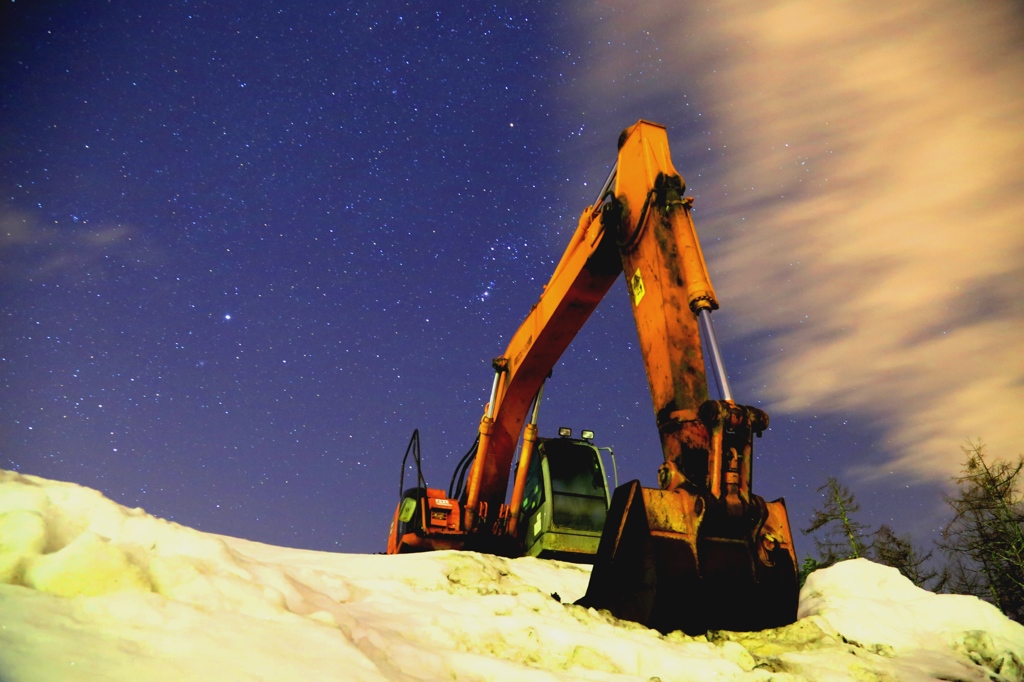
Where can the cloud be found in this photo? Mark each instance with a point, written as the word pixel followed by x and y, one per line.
pixel 30 250
pixel 871 190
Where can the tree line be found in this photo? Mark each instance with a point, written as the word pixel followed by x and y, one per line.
pixel 982 546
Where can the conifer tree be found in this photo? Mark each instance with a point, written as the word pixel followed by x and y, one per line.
pixel 985 539
pixel 890 549
pixel 842 537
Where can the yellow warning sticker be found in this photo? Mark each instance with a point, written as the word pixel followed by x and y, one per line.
pixel 636 287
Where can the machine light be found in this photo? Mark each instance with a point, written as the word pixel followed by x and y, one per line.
pixel 565 432
pixel 587 434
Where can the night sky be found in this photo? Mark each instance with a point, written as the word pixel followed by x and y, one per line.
pixel 247 247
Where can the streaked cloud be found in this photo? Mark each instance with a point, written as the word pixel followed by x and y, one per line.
pixel 30 250
pixel 870 191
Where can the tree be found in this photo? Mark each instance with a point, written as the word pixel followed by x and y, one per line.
pixel 809 566
pixel 890 549
pixel 985 539
pixel 843 538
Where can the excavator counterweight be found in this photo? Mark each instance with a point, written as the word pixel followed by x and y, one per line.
pixel 700 552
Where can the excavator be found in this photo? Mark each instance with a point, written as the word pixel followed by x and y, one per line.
pixel 699 552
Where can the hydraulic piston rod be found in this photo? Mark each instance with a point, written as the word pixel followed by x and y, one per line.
pixel 529 443
pixel 717 364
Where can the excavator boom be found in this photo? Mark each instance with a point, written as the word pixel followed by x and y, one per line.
pixel 587 271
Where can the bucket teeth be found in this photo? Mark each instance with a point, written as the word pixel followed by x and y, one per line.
pixel 658 566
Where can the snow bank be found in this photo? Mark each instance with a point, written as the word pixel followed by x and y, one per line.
pixel 92 590
pixel 878 608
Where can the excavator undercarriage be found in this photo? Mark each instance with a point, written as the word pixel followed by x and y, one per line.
pixel 701 551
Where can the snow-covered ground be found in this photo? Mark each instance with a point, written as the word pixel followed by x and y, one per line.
pixel 91 590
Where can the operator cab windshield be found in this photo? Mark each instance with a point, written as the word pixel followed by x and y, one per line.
pixel 578 488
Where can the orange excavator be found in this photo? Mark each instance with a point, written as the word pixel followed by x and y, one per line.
pixel 700 552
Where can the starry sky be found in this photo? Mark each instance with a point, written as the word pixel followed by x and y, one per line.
pixel 247 247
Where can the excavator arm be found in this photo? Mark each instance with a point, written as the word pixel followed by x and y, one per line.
pixel 702 551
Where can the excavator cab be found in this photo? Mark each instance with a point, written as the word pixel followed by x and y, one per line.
pixel 566 500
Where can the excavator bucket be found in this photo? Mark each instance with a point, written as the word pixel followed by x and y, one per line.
pixel 670 561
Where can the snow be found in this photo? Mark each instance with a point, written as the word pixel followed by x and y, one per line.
pixel 91 590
